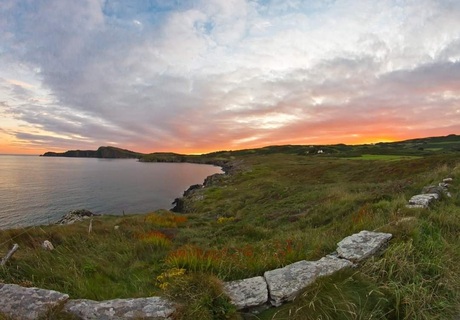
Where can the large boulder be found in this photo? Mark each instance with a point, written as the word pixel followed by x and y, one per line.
pixel 28 303
pixel 361 245
pixel 247 293
pixel 153 308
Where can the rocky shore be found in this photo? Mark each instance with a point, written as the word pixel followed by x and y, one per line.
pixel 192 193
pixel 74 216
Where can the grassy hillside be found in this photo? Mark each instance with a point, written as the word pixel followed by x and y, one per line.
pixel 415 147
pixel 276 206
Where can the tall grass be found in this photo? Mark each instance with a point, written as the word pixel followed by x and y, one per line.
pixel 416 278
pixel 275 210
pixel 200 296
pixel 108 263
pixel 347 295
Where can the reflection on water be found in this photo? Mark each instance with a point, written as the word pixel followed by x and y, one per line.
pixel 39 190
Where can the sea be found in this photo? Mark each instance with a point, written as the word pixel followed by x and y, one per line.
pixel 40 190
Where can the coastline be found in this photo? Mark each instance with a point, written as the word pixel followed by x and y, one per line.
pixel 103 188
pixel 180 202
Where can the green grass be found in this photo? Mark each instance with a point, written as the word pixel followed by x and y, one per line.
pixel 277 207
pixel 383 157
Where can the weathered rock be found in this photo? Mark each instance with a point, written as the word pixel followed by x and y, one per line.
pixel 415 206
pixel 422 200
pixel 444 185
pixel 247 293
pixel 284 284
pixel 331 264
pixel 192 189
pixel 439 190
pixel 28 303
pixel 361 245
pixel 179 205
pixel 47 245
pixel 75 215
pixel 447 180
pixel 152 308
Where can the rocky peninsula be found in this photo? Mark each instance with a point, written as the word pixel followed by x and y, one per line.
pixel 101 152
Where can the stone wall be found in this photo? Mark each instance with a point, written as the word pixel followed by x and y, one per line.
pixel 284 284
pixel 272 289
pixel 430 194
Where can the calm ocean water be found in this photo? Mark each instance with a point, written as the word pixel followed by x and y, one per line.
pixel 40 190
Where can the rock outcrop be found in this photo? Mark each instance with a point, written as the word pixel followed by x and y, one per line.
pixel 74 216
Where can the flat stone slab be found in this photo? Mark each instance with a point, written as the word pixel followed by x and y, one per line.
pixel 153 308
pixel 361 245
pixel 28 303
pixel 422 200
pixel 284 284
pixel 331 264
pixel 247 293
pixel 415 206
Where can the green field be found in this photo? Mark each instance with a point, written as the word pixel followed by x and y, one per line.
pixel 383 157
pixel 276 206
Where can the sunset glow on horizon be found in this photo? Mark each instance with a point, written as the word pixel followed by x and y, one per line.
pixel 210 75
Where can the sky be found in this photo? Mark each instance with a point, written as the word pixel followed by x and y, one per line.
pixel 195 76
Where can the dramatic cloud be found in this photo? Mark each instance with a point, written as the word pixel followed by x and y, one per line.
pixel 197 76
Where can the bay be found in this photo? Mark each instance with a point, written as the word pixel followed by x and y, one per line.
pixel 40 190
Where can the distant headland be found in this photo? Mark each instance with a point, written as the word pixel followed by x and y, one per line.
pixel 418 146
pixel 118 153
pixel 101 152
